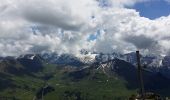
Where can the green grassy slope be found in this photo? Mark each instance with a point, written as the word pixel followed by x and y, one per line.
pixel 72 84
pixel 94 86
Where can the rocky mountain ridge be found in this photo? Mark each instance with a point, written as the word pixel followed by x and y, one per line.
pixel 150 62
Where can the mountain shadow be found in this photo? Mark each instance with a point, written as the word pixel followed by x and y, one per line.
pixel 152 81
pixel 5 82
pixel 125 71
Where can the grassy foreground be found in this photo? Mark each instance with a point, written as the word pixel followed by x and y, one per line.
pixel 93 86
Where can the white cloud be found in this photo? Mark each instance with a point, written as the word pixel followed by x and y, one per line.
pixel 126 29
pixel 64 26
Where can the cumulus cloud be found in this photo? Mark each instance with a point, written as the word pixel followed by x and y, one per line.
pixel 126 29
pixel 63 26
pixel 141 41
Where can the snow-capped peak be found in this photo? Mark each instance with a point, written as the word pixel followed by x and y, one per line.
pixel 32 57
pixel 27 56
pixel 87 58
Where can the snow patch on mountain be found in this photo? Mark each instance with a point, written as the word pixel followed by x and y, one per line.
pixel 87 58
pixel 27 56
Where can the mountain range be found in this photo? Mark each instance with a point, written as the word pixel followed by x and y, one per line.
pixel 153 63
pixel 90 75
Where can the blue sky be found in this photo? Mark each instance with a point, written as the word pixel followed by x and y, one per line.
pixel 153 9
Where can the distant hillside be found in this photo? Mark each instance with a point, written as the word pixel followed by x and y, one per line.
pixel 26 76
pixel 21 65
pixel 126 71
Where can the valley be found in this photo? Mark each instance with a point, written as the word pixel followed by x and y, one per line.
pixel 36 78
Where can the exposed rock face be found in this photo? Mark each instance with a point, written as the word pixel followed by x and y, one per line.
pixel 21 65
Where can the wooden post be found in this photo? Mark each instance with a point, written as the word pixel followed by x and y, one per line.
pixel 140 77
